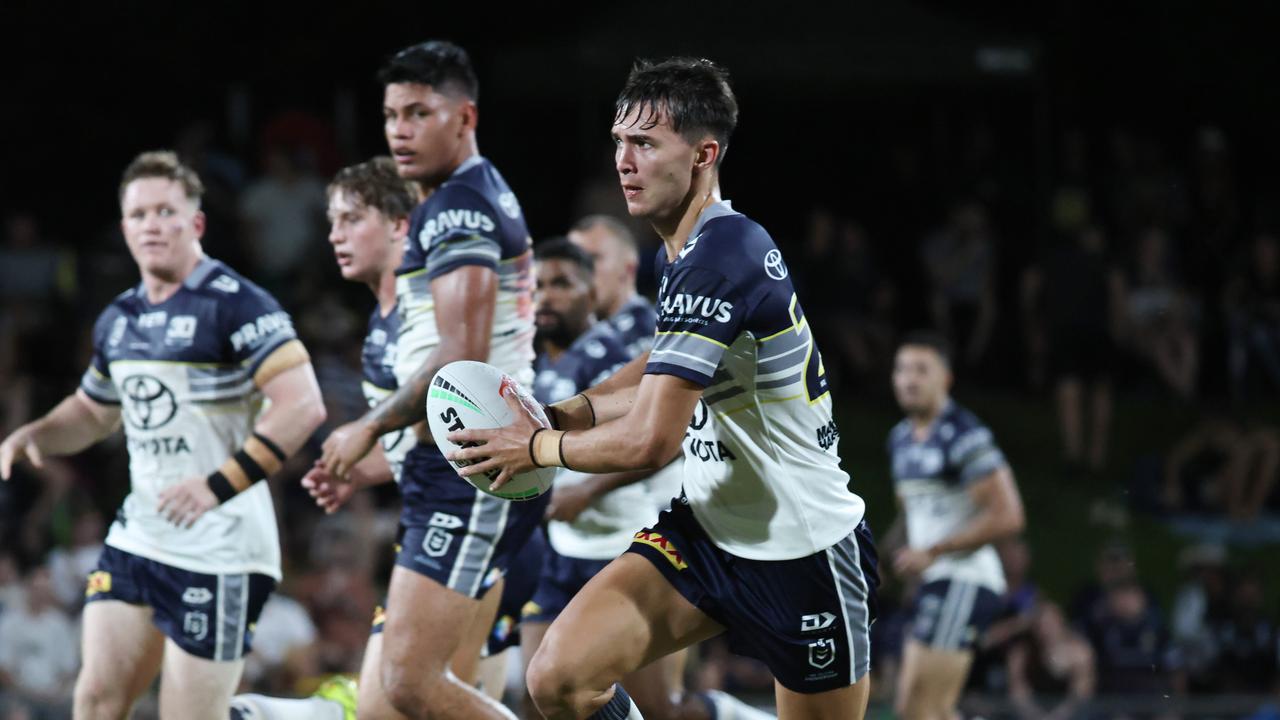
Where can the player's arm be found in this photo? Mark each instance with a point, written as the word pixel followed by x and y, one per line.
pixel 609 400
pixel 294 411
pixel 568 501
pixel 372 470
pixel 465 299
pixel 73 425
pixel 647 437
pixel 999 515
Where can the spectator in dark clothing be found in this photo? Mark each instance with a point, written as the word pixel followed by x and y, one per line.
pixel 1248 641
pixel 1052 670
pixel 1162 315
pixel 1132 645
pixel 1073 308
pixel 1252 306
pixel 960 261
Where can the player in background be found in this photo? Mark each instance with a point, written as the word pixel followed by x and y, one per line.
pixel 766 542
pixel 369 207
pixel 957 496
pixel 463 293
pixel 185 358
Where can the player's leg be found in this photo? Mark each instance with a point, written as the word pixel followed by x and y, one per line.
pixel 371 698
pixel 121 653
pixel 491 676
pixel 846 703
pixel 195 687
pixel 465 664
pixel 427 624
pixel 626 617
pixel 931 681
pixel 531 635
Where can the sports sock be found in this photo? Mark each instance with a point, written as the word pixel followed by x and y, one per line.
pixel 261 707
pixel 619 707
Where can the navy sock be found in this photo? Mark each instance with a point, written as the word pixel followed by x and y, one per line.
pixel 617 708
pixel 710 704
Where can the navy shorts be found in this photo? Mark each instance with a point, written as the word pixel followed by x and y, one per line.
pixel 562 578
pixel 521 581
pixel 209 616
pixel 452 532
pixel 952 615
pixel 807 619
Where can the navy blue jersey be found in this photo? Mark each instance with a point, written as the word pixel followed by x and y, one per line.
pixel 932 477
pixel 594 356
pixel 182 372
pixel 472 219
pixel 378 360
pixel 635 323
pixel 762 469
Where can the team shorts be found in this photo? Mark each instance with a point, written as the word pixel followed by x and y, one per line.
pixel 209 616
pixel 952 615
pixel 521 582
pixel 562 578
pixel 807 619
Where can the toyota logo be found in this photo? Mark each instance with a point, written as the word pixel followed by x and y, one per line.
pixel 773 265
pixel 148 403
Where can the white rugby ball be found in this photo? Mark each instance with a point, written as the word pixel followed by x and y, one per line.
pixel 468 394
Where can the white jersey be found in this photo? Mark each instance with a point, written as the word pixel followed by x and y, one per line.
pixel 377 362
pixel 605 528
pixel 471 219
pixel 932 478
pixel 762 471
pixel 182 373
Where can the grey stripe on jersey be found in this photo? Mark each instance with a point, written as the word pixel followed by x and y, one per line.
pixel 233 606
pixel 778 346
pixel 704 352
pixel 851 588
pixel 488 520
pixel 466 247
pixel 781 361
pixel 99 387
pixel 773 384
pixel 727 393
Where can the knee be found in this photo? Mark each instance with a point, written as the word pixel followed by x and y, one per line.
pixel 95 698
pixel 551 686
pixel 409 688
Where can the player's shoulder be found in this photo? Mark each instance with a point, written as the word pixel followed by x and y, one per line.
pixel 600 345
pixel 899 433
pixel 734 246
pixel 216 280
pixel 960 428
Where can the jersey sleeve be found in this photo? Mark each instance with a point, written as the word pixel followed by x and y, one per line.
pixel 255 326
pixel 96 381
pixel 700 315
pixel 974 454
pixel 458 228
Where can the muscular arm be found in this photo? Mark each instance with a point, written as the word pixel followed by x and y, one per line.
pixel 999 514
pixel 610 399
pixel 73 425
pixel 464 305
pixel 296 408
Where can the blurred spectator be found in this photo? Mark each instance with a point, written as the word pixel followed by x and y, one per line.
pixel 1247 640
pixel 1161 314
pixel 1199 600
pixel 1132 645
pixel 284 649
pixel 1073 310
pixel 1220 465
pixel 1114 566
pixel 38 658
pixel 10 582
pixel 1052 672
pixel 283 215
pixel 1252 307
pixel 69 567
pixel 960 260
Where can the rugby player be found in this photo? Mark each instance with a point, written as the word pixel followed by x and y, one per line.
pixel 766 542
pixel 185 359
pixel 463 293
pixel 958 496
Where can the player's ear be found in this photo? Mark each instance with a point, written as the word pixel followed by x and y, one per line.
pixel 707 154
pixel 198 222
pixel 470 115
pixel 400 230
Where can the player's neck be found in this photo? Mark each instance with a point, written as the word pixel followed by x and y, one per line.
pixel 466 151
pixel 675 229
pixel 385 291
pixel 616 306
pixel 162 287
pixel 921 422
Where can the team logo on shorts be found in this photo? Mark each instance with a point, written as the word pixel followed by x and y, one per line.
pixel 99 582
pixel 438 539
pixel 822 652
pixel 197 595
pixel 196 624
pixel 148 403
pixel 662 545
pixel 379 616
pixel 819 621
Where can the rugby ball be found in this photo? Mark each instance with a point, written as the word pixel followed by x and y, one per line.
pixel 469 395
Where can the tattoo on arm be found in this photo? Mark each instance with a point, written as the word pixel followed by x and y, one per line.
pixel 407 405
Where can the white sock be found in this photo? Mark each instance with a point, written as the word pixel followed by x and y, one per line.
pixel 729 707
pixel 261 707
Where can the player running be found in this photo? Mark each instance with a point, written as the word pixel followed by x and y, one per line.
pixel 185 359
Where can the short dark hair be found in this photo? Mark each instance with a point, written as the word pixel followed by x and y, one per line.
pixel 559 248
pixel 438 63
pixel 931 339
pixel 615 226
pixel 377 185
pixel 163 164
pixel 694 94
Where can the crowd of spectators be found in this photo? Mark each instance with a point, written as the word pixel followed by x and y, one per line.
pixel 1147 277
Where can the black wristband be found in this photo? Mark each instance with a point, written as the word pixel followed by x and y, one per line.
pixel 560 447
pixel 274 448
pixel 251 468
pixel 553 417
pixel 590 407
pixel 221 486
pixel 532 456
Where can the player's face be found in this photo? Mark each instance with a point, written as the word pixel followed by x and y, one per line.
pixel 425 130
pixel 615 265
pixel 365 242
pixel 162 227
pixel 655 165
pixel 920 379
pixel 564 301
